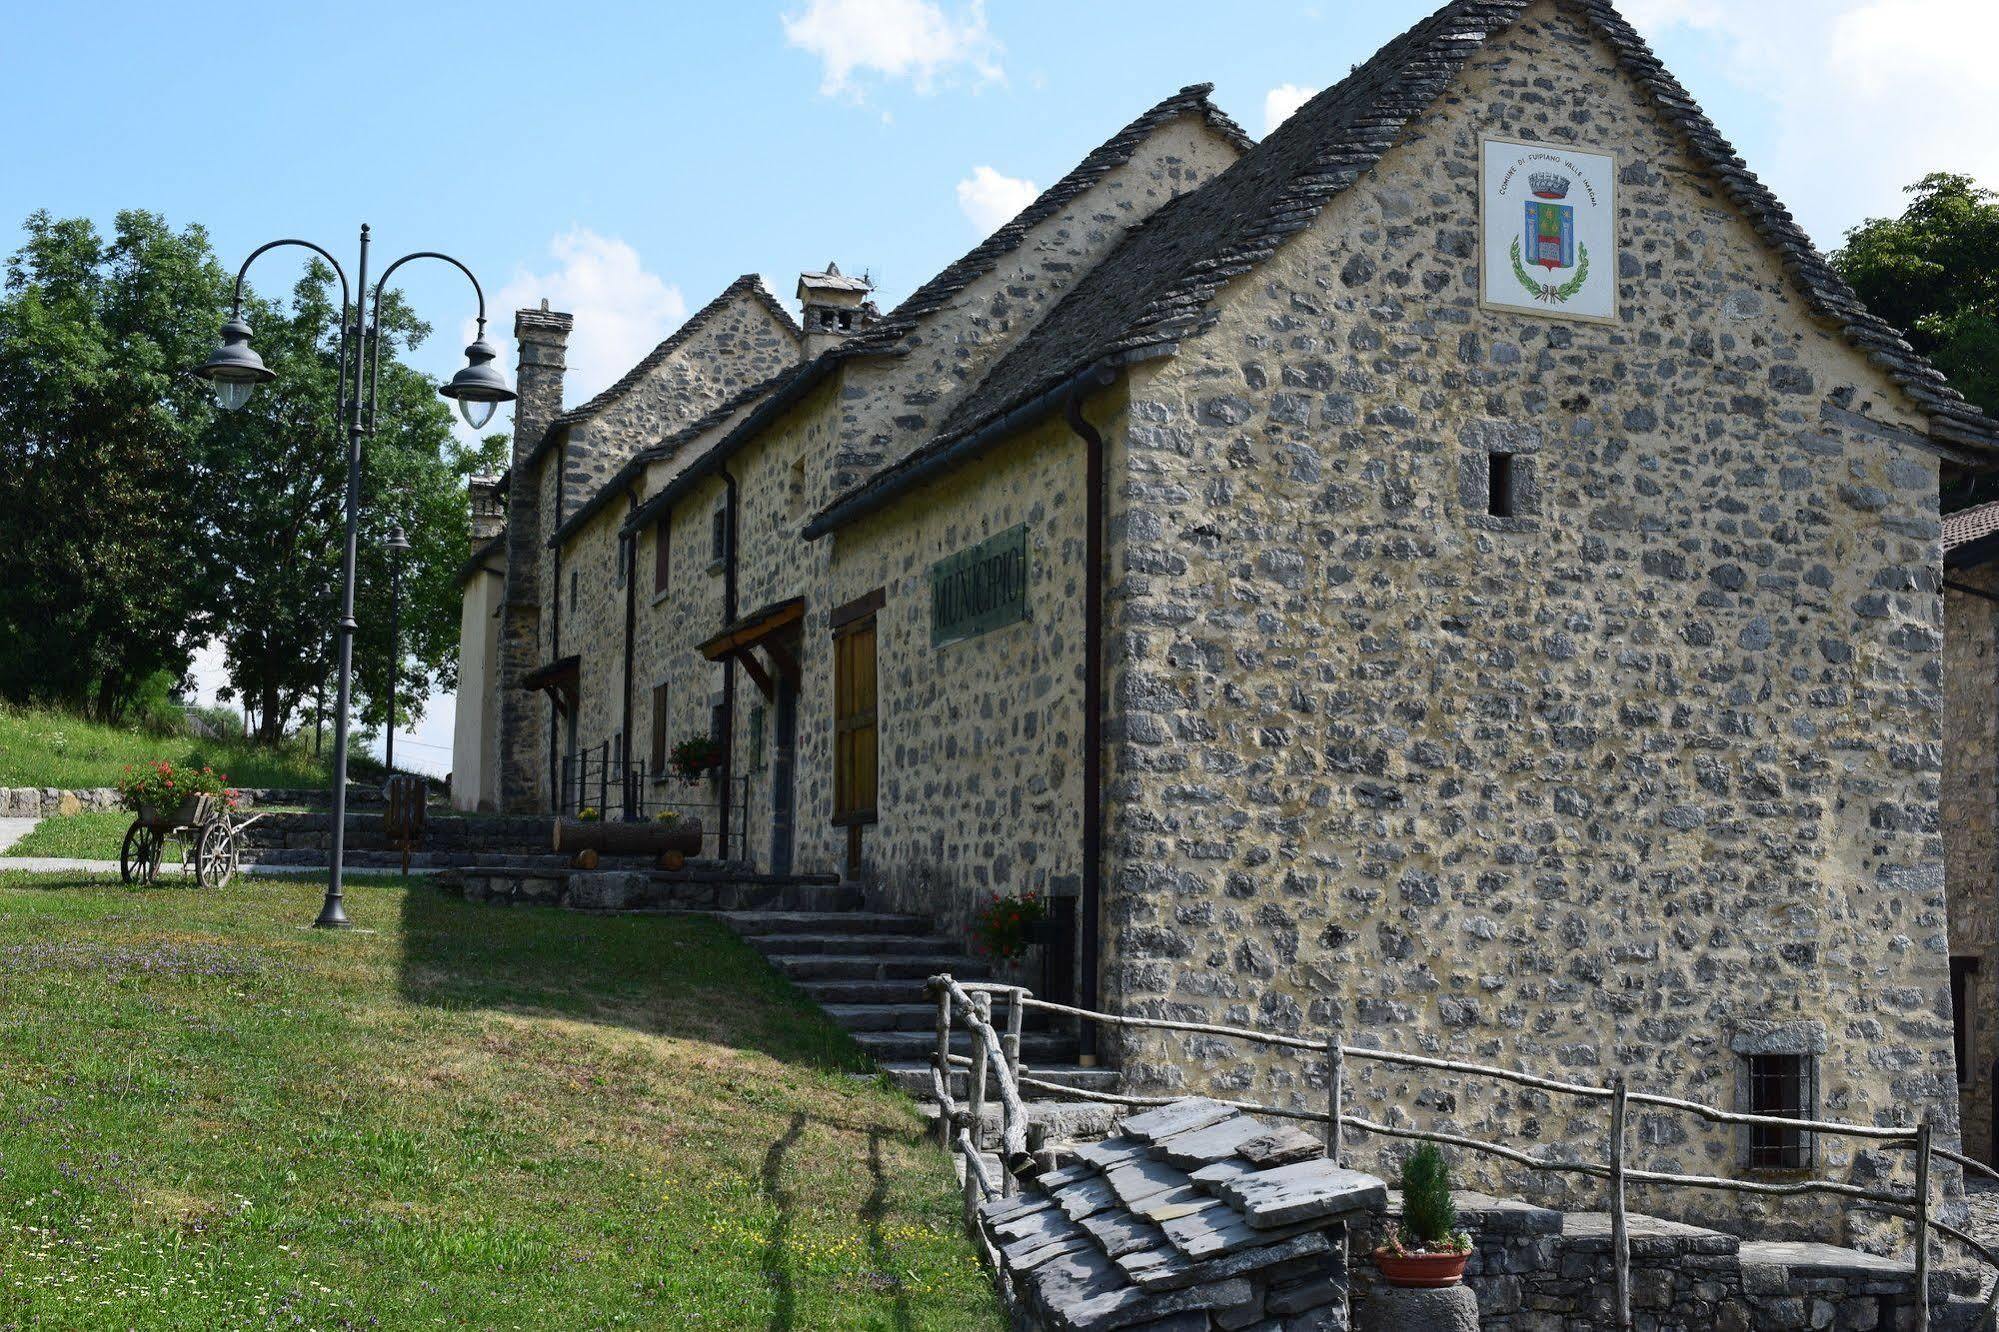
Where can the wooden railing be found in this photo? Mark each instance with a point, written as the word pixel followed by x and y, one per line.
pixel 994 1066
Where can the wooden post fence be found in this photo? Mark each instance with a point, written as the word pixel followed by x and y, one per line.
pixel 1620 1235
pixel 1336 1073
pixel 1923 1223
pixel 944 1065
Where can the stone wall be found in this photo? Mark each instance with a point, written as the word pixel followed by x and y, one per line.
pixel 1643 778
pixel 1537 1270
pixel 981 739
pixel 1970 804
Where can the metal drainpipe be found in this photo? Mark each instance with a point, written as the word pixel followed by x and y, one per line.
pixel 728 662
pixel 629 555
pixel 1091 906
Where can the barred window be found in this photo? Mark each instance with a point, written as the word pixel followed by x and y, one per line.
pixel 1781 1085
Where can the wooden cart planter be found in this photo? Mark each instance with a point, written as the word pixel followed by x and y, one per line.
pixel 204 833
pixel 669 843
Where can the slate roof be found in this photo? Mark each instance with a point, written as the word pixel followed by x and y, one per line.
pixel 1183 1200
pixel 1157 287
pixel 1968 525
pixel 884 337
pixel 665 448
pixel 748 284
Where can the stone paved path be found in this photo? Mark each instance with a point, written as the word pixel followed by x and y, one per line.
pixel 13 830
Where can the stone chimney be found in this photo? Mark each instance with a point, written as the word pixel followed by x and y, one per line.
pixel 489 514
pixel 542 336
pixel 833 306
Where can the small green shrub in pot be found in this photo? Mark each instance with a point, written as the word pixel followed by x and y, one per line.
pixel 1427 1249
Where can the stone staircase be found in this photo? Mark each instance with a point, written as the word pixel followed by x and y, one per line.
pixel 868 969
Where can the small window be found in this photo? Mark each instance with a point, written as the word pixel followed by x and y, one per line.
pixel 1499 497
pixel 624 560
pixel 662 550
pixel 756 746
pixel 1781 1085
pixel 1962 969
pixel 572 589
pixel 718 536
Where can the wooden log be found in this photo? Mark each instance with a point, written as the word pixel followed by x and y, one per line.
pixel 617 838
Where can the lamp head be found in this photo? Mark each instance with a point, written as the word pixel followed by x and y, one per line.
pixel 479 387
pixel 397 542
pixel 233 370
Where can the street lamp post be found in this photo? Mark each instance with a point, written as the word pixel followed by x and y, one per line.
pixel 397 545
pixel 233 372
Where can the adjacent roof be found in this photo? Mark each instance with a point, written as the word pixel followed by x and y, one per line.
pixel 883 337
pixel 665 448
pixel 749 284
pixel 485 551
pixel 1158 286
pixel 1968 525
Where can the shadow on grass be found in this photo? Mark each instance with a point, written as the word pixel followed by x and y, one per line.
pixel 680 976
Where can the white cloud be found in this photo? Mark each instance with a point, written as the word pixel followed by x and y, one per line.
pixel 894 39
pixel 990 200
pixel 622 310
pixel 1866 96
pixel 1281 101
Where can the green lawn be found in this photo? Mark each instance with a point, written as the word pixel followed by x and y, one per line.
pixel 43 748
pixel 92 835
pixel 472 1117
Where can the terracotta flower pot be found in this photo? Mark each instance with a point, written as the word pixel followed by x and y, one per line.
pixel 1421 1271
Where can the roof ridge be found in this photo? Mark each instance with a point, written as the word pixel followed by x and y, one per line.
pixel 748 284
pixel 1112 153
pixel 1314 161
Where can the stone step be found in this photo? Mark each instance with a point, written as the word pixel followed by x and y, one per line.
pixel 1059 1123
pixel 894 1046
pixel 839 966
pixel 884 1017
pixel 852 992
pixel 913 1077
pixel 766 923
pixel 783 945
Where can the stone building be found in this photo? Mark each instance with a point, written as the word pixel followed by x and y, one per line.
pixel 1461 572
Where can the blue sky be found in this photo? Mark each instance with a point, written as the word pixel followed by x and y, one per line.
pixel 628 160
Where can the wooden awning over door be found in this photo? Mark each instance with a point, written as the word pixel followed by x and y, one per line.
pixel 759 629
pixel 558 680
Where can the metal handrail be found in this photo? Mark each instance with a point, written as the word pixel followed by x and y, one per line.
pixel 976 997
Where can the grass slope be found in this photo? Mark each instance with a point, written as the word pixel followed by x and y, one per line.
pixel 471 1117
pixel 43 748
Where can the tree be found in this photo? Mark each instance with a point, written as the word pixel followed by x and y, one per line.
pixel 102 580
pixel 1934 272
pixel 274 490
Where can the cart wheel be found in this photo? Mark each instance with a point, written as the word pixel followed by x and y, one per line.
pixel 139 858
pixel 215 856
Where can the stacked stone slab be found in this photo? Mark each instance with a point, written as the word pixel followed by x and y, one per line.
pixel 1194 1216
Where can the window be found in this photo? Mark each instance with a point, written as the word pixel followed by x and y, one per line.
pixel 718 537
pixel 854 717
pixel 572 589
pixel 1779 1084
pixel 756 755
pixel 1499 485
pixel 1962 969
pixel 658 763
pixel 624 558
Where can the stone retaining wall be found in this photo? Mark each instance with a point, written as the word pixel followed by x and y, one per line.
pixel 702 886
pixel 41 802
pixel 1538 1270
